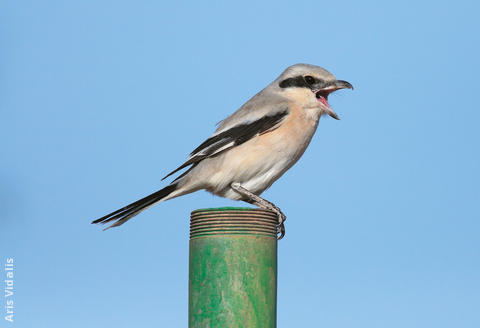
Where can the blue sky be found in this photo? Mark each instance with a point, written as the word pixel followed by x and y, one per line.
pixel 99 100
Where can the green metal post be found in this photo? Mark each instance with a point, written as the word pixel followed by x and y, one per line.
pixel 233 268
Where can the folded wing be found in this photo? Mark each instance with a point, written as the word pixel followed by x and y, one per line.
pixel 234 136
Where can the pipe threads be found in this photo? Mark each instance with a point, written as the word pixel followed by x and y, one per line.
pixel 232 220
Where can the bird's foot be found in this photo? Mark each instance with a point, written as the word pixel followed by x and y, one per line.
pixel 281 220
pixel 265 204
pixel 281 225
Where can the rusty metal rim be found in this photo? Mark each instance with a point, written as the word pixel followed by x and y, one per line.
pixel 256 210
pixel 231 209
pixel 229 231
pixel 240 230
pixel 234 215
pixel 223 219
pixel 237 231
pixel 228 224
pixel 234 226
pixel 226 220
pixel 214 223
pixel 232 233
pixel 219 233
pixel 231 222
pixel 265 215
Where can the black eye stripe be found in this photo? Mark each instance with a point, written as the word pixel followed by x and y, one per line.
pixel 300 82
pixel 297 81
pixel 310 80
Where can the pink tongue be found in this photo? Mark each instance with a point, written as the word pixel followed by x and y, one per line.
pixel 324 101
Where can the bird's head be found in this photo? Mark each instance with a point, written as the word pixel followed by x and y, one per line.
pixel 310 85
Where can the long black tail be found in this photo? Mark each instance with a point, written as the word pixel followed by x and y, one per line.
pixel 125 213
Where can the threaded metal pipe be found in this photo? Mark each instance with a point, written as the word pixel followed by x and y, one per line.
pixel 233 268
pixel 233 220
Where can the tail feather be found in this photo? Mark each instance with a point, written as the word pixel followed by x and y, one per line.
pixel 125 213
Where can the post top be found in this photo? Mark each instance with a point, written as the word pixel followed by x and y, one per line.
pixel 225 208
pixel 224 221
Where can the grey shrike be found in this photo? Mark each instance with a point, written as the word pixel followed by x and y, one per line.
pixel 254 146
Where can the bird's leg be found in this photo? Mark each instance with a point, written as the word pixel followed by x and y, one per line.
pixel 262 203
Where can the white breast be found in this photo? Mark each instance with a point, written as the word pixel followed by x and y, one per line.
pixel 259 162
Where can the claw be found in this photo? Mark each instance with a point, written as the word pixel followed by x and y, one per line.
pixel 281 225
pixel 281 231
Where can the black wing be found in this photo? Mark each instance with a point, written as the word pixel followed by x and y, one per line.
pixel 232 137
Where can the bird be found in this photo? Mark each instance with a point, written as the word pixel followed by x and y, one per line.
pixel 254 146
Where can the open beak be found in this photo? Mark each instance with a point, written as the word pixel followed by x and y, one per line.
pixel 337 85
pixel 322 94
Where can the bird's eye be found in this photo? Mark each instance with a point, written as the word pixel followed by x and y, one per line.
pixel 310 79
